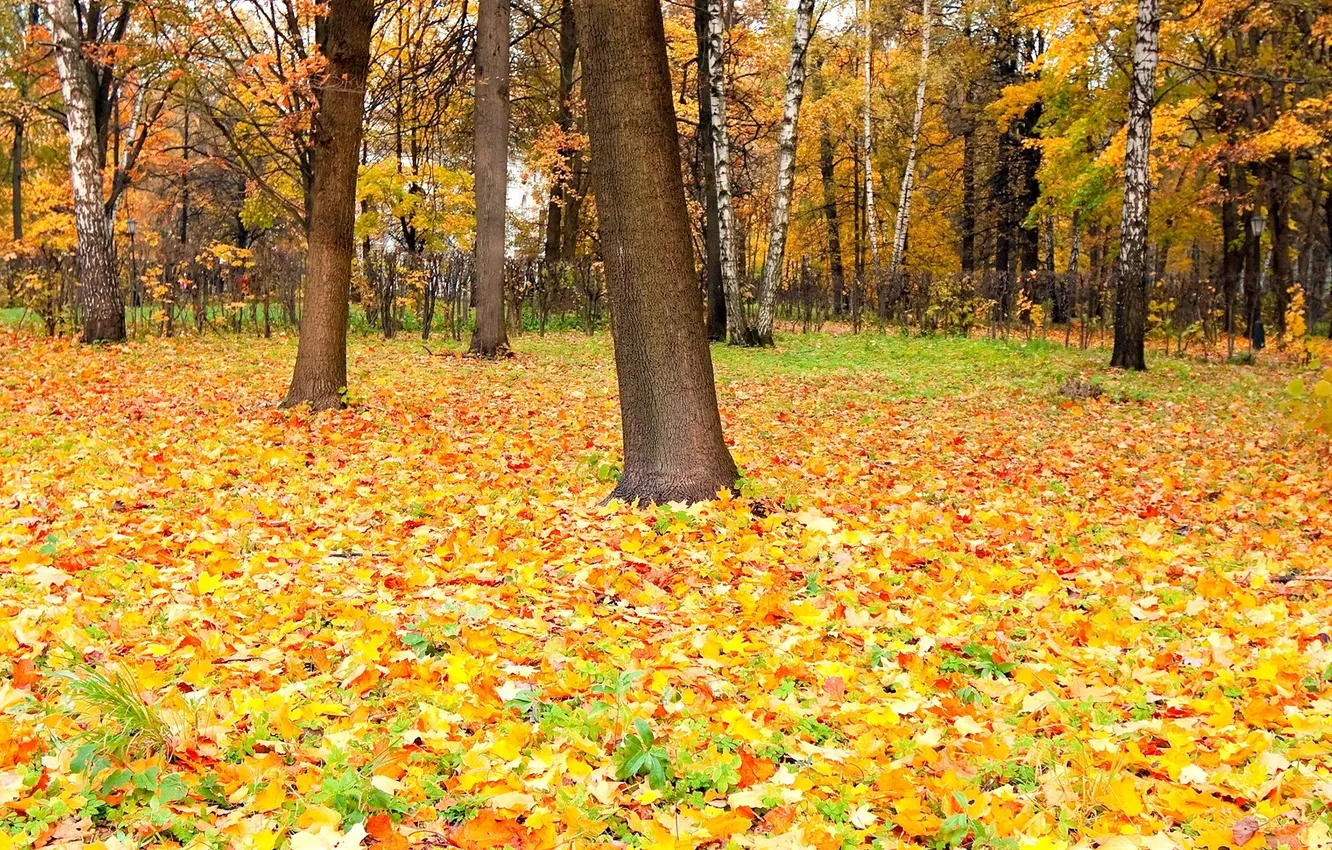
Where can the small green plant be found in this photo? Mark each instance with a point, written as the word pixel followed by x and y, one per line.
pixel 118 721
pixel 983 660
pixel 641 755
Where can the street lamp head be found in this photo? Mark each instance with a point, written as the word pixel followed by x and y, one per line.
pixel 130 226
pixel 1257 223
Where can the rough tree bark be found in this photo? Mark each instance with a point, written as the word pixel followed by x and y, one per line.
pixel 490 339
pixel 712 263
pixel 100 297
pixel 737 329
pixel 673 444
pixel 320 375
pixel 828 175
pixel 909 173
pixel 1131 293
pixel 786 155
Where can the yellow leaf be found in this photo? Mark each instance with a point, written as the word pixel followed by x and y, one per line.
pixel 208 583
pixel 1121 795
pixel 270 798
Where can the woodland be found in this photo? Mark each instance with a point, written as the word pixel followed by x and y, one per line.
pixel 703 424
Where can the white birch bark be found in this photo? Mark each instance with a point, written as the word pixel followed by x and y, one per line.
pixel 737 332
pixel 867 144
pixel 1131 295
pixel 786 157
pixel 909 174
pixel 99 287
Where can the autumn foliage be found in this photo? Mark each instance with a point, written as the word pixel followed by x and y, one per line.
pixel 951 607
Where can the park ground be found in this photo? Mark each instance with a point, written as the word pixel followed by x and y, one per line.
pixel 951 607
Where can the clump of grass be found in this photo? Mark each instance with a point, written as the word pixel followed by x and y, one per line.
pixel 118 721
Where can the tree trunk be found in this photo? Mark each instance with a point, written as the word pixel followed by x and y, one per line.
pixel 490 339
pixel 16 180
pixel 1232 258
pixel 1280 213
pixel 100 297
pixel 968 223
pixel 867 143
pixel 909 173
pixel 1070 284
pixel 564 174
pixel 1029 193
pixel 1131 293
pixel 712 263
pixel 320 376
pixel 673 444
pixel 786 156
pixel 828 173
pixel 737 330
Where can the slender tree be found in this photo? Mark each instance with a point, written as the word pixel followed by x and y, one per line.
pixel 828 176
pixel 871 222
pixel 492 169
pixel 320 376
pixel 786 156
pixel 712 264
pixel 673 444
pixel 737 328
pixel 1134 269
pixel 909 173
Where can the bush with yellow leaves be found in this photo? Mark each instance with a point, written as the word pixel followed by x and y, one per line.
pixel 1313 405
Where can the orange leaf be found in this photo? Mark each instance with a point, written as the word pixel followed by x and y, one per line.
pixel 25 674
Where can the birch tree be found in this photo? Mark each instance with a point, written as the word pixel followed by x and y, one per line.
pixel 737 330
pixel 1134 269
pixel 867 143
pixel 99 292
pixel 91 62
pixel 909 173
pixel 786 156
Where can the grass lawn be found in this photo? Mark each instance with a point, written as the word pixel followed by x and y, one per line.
pixel 949 607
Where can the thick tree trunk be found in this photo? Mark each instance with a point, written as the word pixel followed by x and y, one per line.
pixel 560 184
pixel 828 174
pixel 320 376
pixel 712 262
pixel 490 339
pixel 673 444
pixel 1131 293
pixel 737 329
pixel 786 156
pixel 99 286
pixel 909 173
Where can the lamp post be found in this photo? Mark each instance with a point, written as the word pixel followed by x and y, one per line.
pixel 131 227
pixel 1257 223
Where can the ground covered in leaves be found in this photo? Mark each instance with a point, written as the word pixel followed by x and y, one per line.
pixel 953 607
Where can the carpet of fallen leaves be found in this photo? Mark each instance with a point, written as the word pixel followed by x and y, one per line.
pixel 950 608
